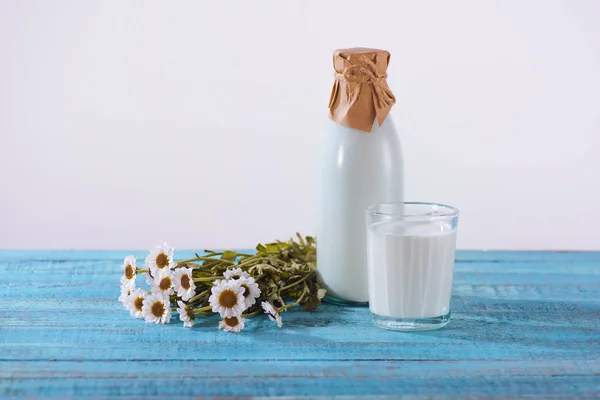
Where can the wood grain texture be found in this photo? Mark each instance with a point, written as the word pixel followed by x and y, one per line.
pixel 524 324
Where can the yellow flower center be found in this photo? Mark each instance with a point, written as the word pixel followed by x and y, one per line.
pixel 158 309
pixel 232 322
pixel 165 283
pixel 129 271
pixel 185 281
pixel 246 291
pixel 138 303
pixel 227 298
pixel 162 260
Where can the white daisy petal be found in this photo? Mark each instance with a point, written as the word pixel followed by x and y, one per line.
pixel 129 272
pixel 135 302
pixel 235 273
pixel 127 283
pixel 250 291
pixel 272 313
pixel 163 284
pixel 156 308
pixel 233 324
pixel 184 283
pixel 227 299
pixel 149 278
pixel 125 292
pixel 186 314
pixel 160 260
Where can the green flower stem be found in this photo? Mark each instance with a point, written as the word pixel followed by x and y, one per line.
pixel 249 260
pixel 252 314
pixel 208 278
pixel 138 271
pixel 297 282
pixel 198 296
pixel 263 266
pixel 258 259
pixel 206 259
pixel 245 255
pixel 202 309
pixel 294 304
pixel 191 265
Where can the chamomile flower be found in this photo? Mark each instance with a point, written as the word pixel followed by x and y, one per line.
pixel 250 290
pixel 156 308
pixel 184 284
pixel 125 292
pixel 160 260
pixel 321 293
pixel 135 302
pixel 128 278
pixel 233 324
pixel 186 314
pixel 236 273
pixel 163 284
pixel 272 313
pixel 227 299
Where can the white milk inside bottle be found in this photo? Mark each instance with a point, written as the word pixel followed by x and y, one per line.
pixel 361 164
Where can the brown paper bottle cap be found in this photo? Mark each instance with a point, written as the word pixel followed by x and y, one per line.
pixel 360 92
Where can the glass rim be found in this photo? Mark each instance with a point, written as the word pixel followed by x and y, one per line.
pixel 449 211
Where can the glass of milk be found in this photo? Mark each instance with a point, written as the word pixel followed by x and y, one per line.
pixel 410 251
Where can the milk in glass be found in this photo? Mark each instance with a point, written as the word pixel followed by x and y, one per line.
pixel 411 268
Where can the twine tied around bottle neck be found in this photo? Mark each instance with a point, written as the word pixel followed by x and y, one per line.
pixel 366 73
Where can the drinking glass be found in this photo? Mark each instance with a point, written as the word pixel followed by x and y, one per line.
pixel 410 261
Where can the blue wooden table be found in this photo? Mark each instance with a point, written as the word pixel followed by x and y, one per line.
pixel 524 324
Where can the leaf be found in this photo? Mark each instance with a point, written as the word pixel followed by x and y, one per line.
pixel 260 248
pixel 272 248
pixel 302 242
pixel 229 255
pixel 296 248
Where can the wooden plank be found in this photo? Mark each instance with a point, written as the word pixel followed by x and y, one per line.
pixel 482 387
pixel 293 369
pixel 159 378
pixel 507 257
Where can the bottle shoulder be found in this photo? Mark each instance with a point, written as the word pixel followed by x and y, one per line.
pixel 381 138
pixel 345 149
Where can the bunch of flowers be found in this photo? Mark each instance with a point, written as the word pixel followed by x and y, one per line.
pixel 237 286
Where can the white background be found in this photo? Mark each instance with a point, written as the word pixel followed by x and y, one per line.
pixel 123 123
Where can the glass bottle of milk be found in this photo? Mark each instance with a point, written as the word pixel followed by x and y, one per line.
pixel 361 164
